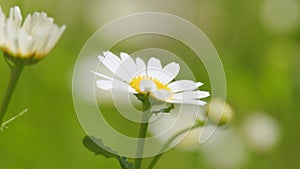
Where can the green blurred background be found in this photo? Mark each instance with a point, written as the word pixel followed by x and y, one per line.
pixel 259 45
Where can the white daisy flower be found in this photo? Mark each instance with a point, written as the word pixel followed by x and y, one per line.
pixel 138 78
pixel 32 39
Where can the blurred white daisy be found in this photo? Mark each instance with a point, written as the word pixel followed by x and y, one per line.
pixel 32 39
pixel 225 149
pixel 138 78
pixel 262 132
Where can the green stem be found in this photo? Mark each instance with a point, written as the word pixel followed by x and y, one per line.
pixel 142 134
pixel 16 71
pixel 170 140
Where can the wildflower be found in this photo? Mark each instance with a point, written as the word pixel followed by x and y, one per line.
pixel 152 79
pixel 24 44
pixel 28 41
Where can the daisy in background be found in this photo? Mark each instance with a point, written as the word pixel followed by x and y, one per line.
pixel 137 77
pixel 30 40
pixel 24 43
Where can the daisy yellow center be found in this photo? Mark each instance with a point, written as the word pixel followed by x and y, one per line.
pixel 135 83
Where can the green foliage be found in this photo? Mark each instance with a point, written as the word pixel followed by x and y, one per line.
pixel 124 163
pixel 142 97
pixel 96 146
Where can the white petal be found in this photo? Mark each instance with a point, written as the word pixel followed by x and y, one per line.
pixel 128 65
pixel 168 73
pixel 108 64
pixel 55 35
pixel 35 19
pixel 183 85
pixel 141 67
pixel 172 70
pixel 115 59
pixel 116 69
pixel 124 56
pixel 154 63
pixel 114 85
pixel 195 102
pixel 147 85
pixel 102 75
pixel 11 35
pixel 44 33
pixel 27 23
pixel 190 95
pixel 154 68
pixel 161 94
pixel 17 15
pixel 25 42
pixel 41 21
pixel 40 39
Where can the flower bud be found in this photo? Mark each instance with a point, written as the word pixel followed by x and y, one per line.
pixel 219 111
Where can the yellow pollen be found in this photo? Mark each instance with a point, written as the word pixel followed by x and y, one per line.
pixel 135 83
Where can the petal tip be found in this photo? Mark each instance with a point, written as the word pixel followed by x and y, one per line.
pixel 101 58
pixel 124 56
pixel 199 84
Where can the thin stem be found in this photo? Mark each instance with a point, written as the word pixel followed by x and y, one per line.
pixel 4 124
pixel 140 148
pixel 166 145
pixel 142 134
pixel 16 71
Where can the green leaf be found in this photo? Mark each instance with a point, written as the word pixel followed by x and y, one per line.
pixel 142 97
pixel 168 109
pixel 96 146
